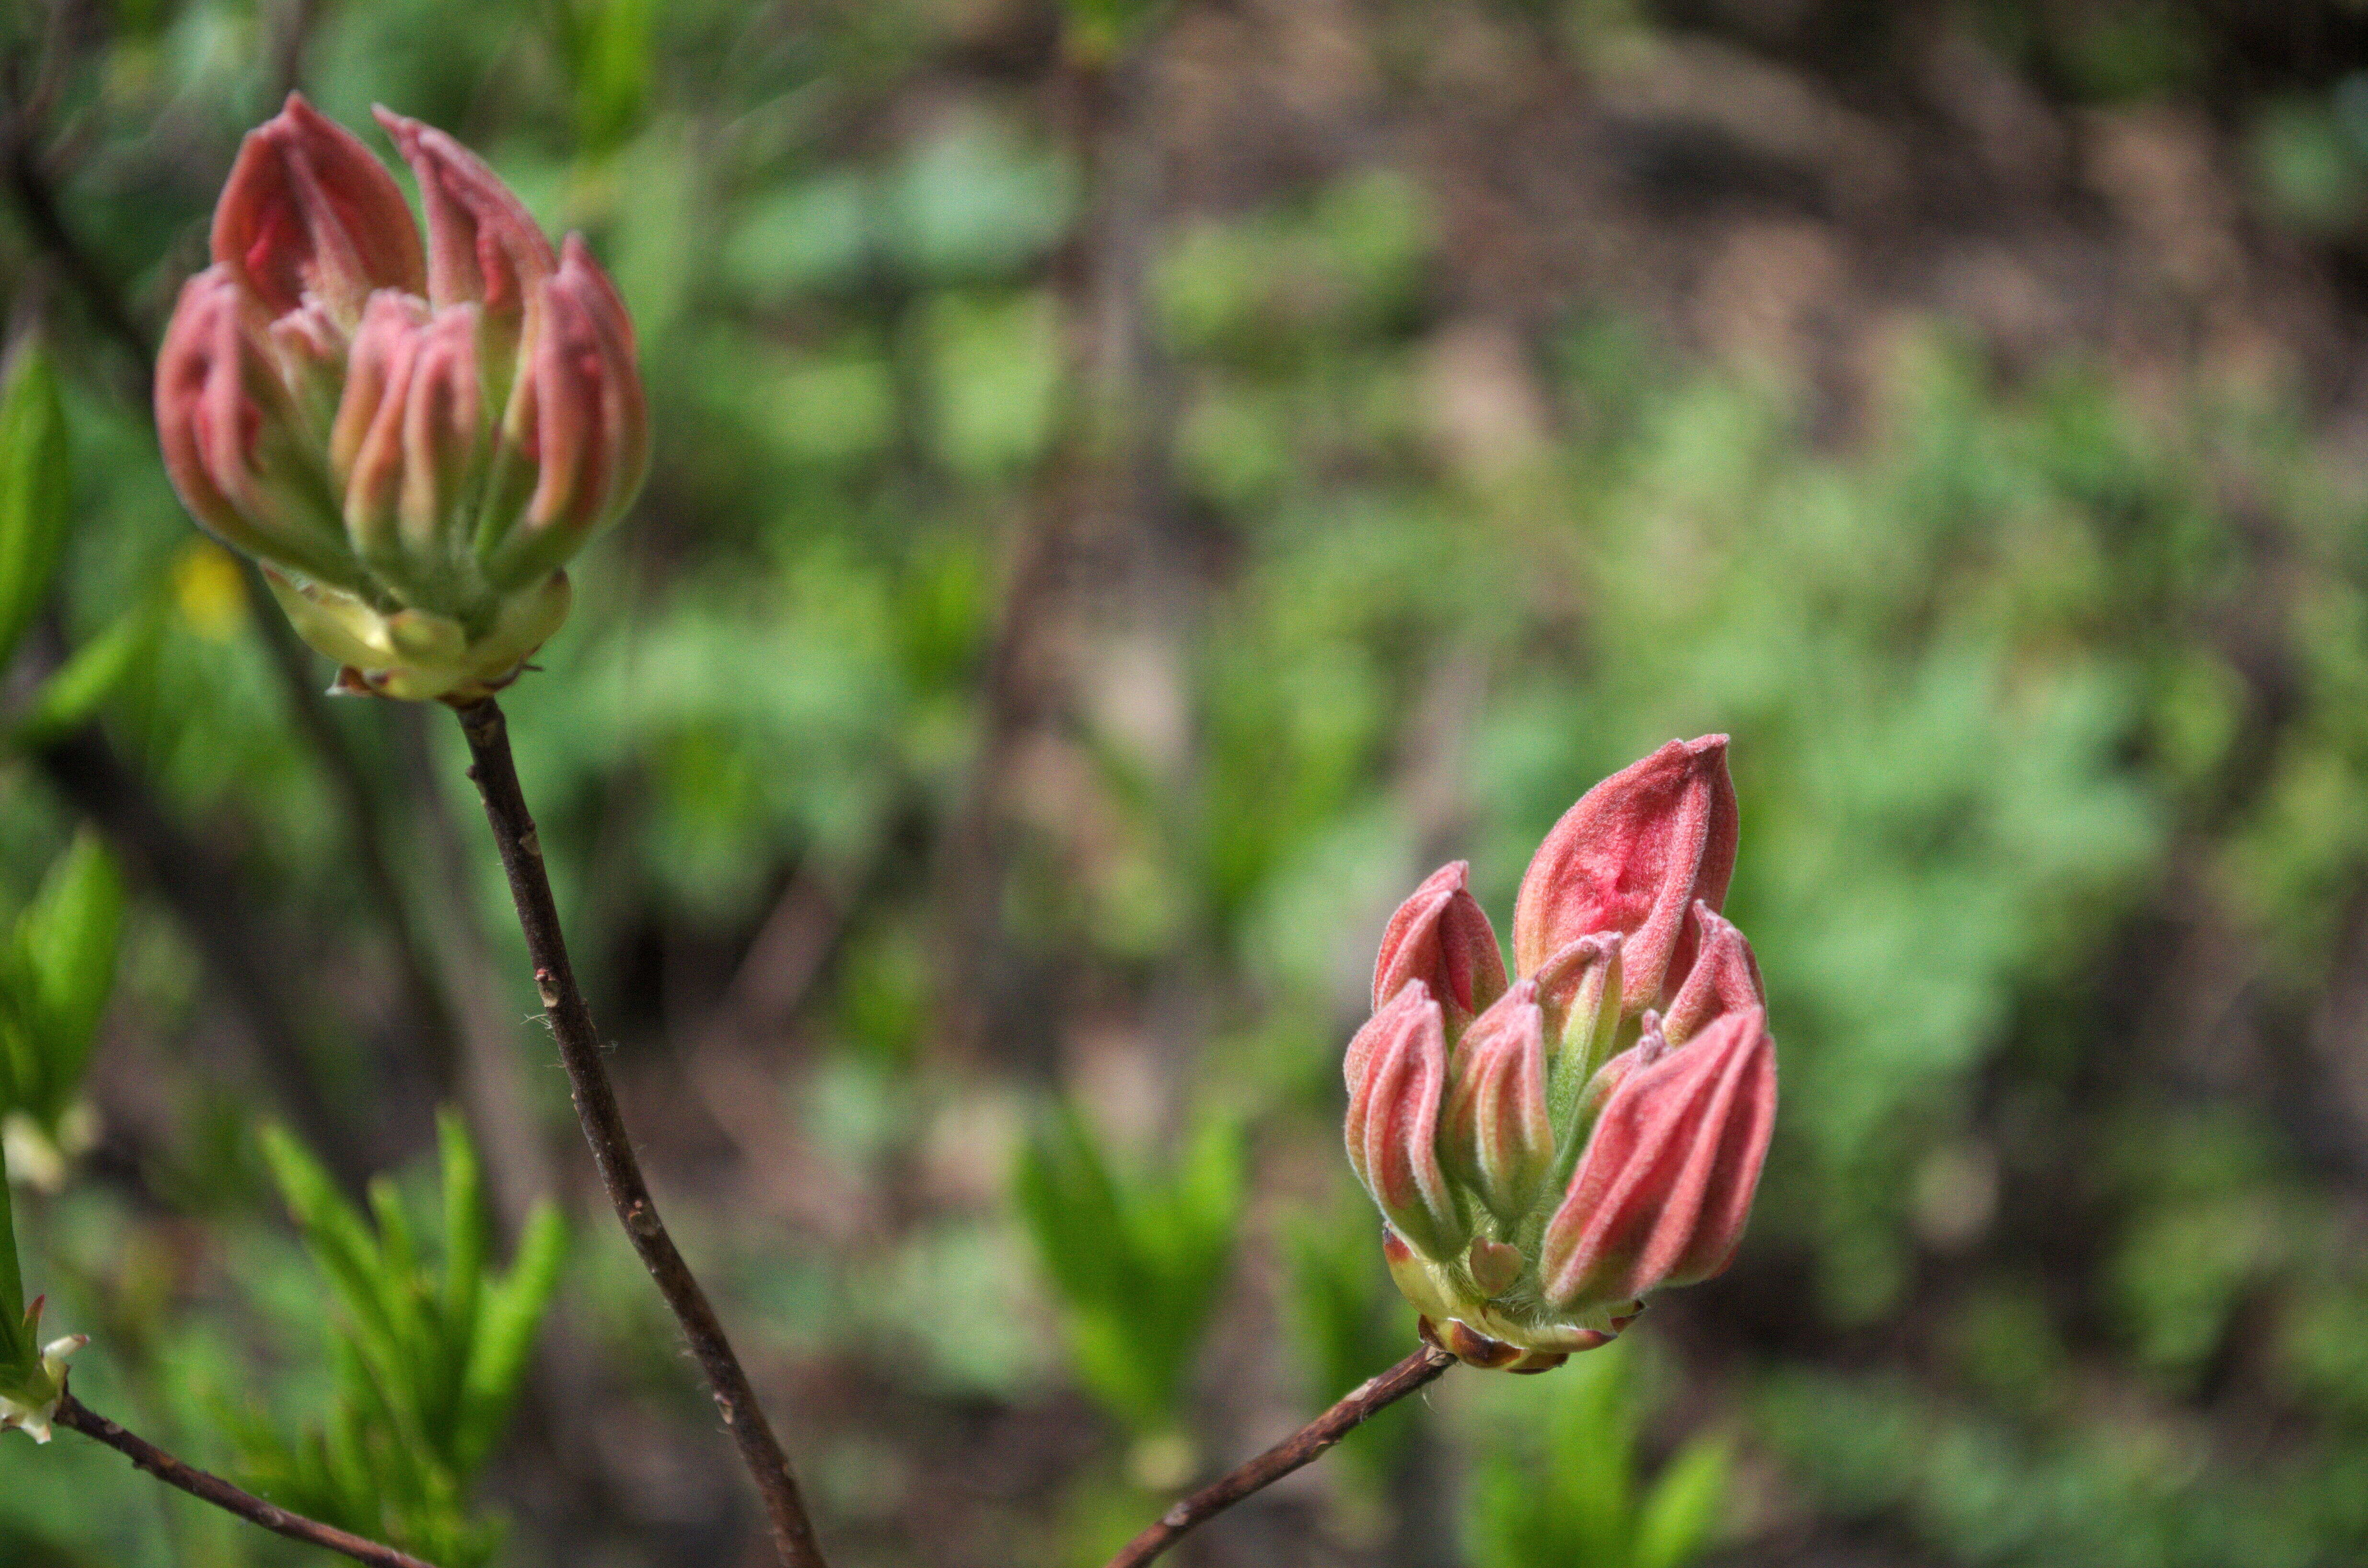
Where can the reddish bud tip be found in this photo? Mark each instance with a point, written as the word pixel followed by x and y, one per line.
pixel 1441 936
pixel 1494 1135
pixel 309 213
pixel 1724 977
pixel 483 247
pixel 1661 1195
pixel 1397 1071
pixel 1633 856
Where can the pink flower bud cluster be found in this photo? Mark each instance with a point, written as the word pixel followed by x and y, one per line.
pixel 1547 1147
pixel 411 442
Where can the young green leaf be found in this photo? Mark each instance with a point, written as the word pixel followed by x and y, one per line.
pixel 36 491
pixel 68 699
pixel 1682 1510
pixel 12 1284
pixel 69 941
pixel 509 1314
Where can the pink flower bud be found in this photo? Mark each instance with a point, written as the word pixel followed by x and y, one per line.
pixel 1441 936
pixel 232 439
pixel 309 215
pixel 412 443
pixel 1662 1193
pixel 1398 1068
pixel 1494 1135
pixel 483 247
pixel 1578 992
pixel 408 438
pixel 576 427
pixel 1632 857
pixel 1724 977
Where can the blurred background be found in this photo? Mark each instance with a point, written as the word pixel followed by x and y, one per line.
pixel 1137 486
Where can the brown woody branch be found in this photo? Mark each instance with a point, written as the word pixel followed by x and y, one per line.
pixel 495 774
pixel 1302 1447
pixel 209 1488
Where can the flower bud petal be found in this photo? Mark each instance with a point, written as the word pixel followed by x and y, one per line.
pixel 1397 1072
pixel 1724 977
pixel 309 214
pixel 1662 1193
pixel 1441 936
pixel 1578 992
pixel 484 246
pixel 1632 857
pixel 1494 1135
pixel 410 434
pixel 577 424
pixel 231 438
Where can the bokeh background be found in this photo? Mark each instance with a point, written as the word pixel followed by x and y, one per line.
pixel 1137 488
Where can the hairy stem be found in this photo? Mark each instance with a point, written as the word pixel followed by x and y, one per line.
pixel 495 774
pixel 1302 1447
pixel 77 1416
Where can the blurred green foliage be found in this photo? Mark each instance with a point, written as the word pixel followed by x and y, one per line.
pixel 1140 1260
pixel 55 976
pixel 428 1354
pixel 2047 673
pixel 1575 1497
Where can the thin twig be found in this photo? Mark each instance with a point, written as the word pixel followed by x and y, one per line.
pixel 77 1416
pixel 495 773
pixel 1302 1447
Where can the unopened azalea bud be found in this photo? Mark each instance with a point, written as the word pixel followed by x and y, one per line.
pixel 309 216
pixel 1724 977
pixel 411 443
pixel 1441 936
pixel 1633 856
pixel 1397 1074
pixel 1569 1150
pixel 1665 1188
pixel 1494 1135
pixel 1579 994
pixel 233 443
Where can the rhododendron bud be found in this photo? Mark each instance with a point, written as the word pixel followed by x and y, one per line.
pixel 1441 936
pixel 308 215
pixel 1633 856
pixel 1574 1152
pixel 1724 978
pixel 412 442
pixel 1494 1135
pixel 1578 996
pixel 1661 1195
pixel 483 247
pixel 1398 1073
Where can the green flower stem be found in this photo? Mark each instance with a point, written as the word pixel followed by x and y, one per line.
pixel 495 774
pixel 77 1416
pixel 1302 1447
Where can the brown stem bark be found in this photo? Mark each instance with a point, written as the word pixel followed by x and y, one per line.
pixel 495 774
pixel 1302 1447
pixel 77 1416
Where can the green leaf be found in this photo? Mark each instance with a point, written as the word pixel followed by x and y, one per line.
pixel 69 938
pixel 340 1245
pixel 1139 1265
pixel 36 491
pixel 70 696
pixel 509 1316
pixel 12 1283
pixel 464 1225
pixel 1683 1508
